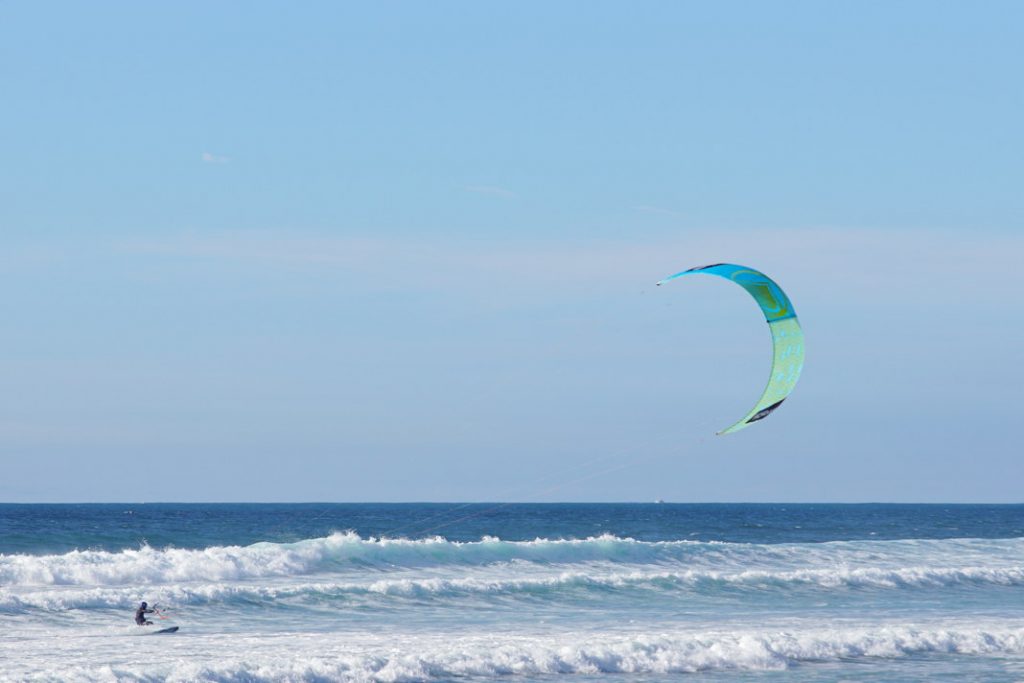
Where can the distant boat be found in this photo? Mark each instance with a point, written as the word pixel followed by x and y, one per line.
pixel 659 501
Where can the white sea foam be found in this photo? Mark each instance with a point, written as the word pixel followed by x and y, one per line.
pixel 510 583
pixel 347 608
pixel 412 658
pixel 339 551
pixel 839 563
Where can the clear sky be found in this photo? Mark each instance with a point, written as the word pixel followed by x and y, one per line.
pixel 406 251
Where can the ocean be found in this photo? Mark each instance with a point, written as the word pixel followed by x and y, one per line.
pixel 520 592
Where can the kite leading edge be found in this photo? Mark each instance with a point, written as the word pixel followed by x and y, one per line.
pixel 787 337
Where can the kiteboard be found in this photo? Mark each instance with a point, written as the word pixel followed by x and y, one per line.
pixel 169 629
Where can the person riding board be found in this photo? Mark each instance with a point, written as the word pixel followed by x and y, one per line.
pixel 140 615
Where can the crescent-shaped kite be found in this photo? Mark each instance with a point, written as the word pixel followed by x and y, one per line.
pixel 787 337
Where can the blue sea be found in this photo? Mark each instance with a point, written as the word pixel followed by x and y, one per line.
pixel 524 592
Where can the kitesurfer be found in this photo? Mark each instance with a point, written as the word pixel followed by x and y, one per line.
pixel 140 615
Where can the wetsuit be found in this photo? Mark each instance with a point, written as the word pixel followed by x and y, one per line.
pixel 140 616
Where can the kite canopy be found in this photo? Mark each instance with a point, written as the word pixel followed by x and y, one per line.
pixel 787 337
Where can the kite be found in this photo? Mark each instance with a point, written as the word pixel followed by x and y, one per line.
pixel 787 337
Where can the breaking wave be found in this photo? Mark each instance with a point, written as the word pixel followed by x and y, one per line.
pixel 337 552
pixel 873 563
pixel 344 566
pixel 438 587
pixel 636 654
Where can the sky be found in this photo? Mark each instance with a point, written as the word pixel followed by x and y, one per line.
pixel 407 251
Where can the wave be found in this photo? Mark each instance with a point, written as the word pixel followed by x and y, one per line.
pixel 841 563
pixel 428 659
pixel 336 552
pixel 566 585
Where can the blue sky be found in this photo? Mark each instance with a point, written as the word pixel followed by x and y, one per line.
pixel 406 251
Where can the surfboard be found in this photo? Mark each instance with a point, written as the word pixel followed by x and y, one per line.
pixel 169 629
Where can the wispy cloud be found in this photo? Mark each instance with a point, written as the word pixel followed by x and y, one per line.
pixel 858 266
pixel 210 158
pixel 492 191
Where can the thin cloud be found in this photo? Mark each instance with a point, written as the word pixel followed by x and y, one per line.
pixel 209 158
pixel 492 191
pixel 872 266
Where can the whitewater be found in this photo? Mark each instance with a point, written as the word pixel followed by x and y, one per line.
pixel 517 592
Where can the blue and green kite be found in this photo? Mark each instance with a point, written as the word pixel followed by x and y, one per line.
pixel 787 337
